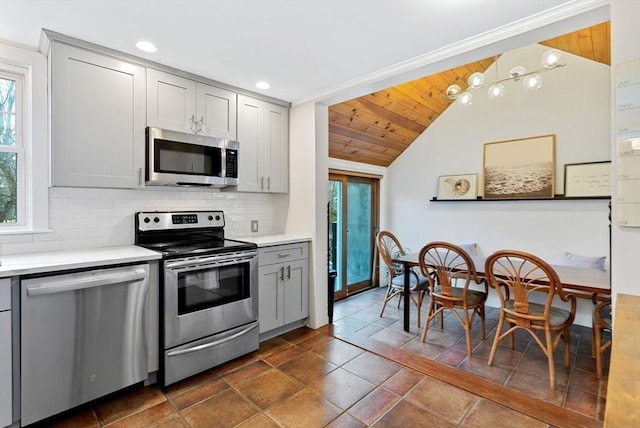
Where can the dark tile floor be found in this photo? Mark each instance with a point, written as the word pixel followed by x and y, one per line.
pixel 309 378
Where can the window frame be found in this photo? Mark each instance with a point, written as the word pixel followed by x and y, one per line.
pixel 31 67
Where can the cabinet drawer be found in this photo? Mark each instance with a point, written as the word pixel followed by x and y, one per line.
pixel 5 294
pixel 283 253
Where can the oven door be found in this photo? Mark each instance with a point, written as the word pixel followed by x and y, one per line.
pixel 207 295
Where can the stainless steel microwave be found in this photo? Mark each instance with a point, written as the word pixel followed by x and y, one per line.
pixel 177 158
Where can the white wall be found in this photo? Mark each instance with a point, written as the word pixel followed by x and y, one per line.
pixel 625 32
pixel 573 104
pixel 308 144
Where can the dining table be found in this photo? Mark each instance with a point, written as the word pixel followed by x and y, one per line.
pixel 584 282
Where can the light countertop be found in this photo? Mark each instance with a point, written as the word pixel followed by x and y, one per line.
pixel 269 240
pixel 22 264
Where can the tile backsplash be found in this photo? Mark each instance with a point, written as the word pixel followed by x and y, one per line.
pixel 90 218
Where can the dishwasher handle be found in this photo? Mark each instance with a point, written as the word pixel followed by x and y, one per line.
pixel 48 286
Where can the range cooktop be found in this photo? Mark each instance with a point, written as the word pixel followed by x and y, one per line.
pixel 185 233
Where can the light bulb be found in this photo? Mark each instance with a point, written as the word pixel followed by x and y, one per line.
pixel 551 58
pixel 465 98
pixel 496 90
pixel 517 71
pixel 532 82
pixel 476 80
pixel 453 91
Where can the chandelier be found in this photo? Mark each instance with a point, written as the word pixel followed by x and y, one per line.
pixel 531 80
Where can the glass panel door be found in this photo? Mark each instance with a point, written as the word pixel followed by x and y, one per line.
pixel 353 222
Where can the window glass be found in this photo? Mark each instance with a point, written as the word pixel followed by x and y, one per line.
pixel 9 160
pixel 7 112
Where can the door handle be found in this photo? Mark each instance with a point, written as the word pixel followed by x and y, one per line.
pixel 211 344
pixel 282 273
pixel 289 272
pixel 85 281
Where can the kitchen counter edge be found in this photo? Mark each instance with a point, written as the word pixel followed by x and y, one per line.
pixel 271 240
pixel 55 261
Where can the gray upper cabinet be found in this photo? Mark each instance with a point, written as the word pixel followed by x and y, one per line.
pixel 98 119
pixel 263 133
pixel 184 105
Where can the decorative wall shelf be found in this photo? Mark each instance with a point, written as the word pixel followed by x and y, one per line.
pixel 555 198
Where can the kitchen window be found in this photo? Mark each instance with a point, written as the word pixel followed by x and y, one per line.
pixel 24 154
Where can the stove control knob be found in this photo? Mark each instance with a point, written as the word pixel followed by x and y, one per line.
pixel 156 220
pixel 218 217
pixel 147 220
pixel 210 217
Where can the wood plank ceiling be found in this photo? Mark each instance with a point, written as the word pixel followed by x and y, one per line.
pixel 376 128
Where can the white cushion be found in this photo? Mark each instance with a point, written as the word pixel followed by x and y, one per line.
pixel 470 248
pixel 577 260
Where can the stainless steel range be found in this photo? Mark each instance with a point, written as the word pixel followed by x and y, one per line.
pixel 209 290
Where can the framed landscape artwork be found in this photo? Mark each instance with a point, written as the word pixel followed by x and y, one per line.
pixel 584 180
pixel 462 186
pixel 520 169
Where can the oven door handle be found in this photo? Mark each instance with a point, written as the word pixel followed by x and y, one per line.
pixel 208 262
pixel 211 344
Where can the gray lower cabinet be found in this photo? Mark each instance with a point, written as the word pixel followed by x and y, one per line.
pixel 283 294
pixel 5 353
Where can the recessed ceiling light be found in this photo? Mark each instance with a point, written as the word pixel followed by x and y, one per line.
pixel 262 85
pixel 145 46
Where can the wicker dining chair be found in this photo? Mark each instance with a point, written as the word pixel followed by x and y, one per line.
pixel 389 247
pixel 523 275
pixel 601 322
pixel 450 272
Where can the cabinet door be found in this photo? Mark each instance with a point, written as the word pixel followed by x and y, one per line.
pixel 277 148
pixel 263 133
pixel 5 369
pixel 249 136
pixel 296 291
pixel 270 299
pixel 98 119
pixel 171 101
pixel 216 109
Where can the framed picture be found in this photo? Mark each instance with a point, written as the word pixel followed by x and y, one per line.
pixel 520 169
pixel 591 179
pixel 462 186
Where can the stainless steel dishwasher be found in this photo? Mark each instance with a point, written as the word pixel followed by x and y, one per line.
pixel 83 336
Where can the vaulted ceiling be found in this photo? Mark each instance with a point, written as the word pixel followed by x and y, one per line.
pixel 376 128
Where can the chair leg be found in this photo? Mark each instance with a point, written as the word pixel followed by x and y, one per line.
pixel 482 320
pixel 593 339
pixel 512 339
pixel 597 345
pixel 388 296
pixel 419 304
pixel 468 334
pixel 567 345
pixel 496 339
pixel 549 352
pixel 427 321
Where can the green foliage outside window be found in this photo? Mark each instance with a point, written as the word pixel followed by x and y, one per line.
pixel 8 160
